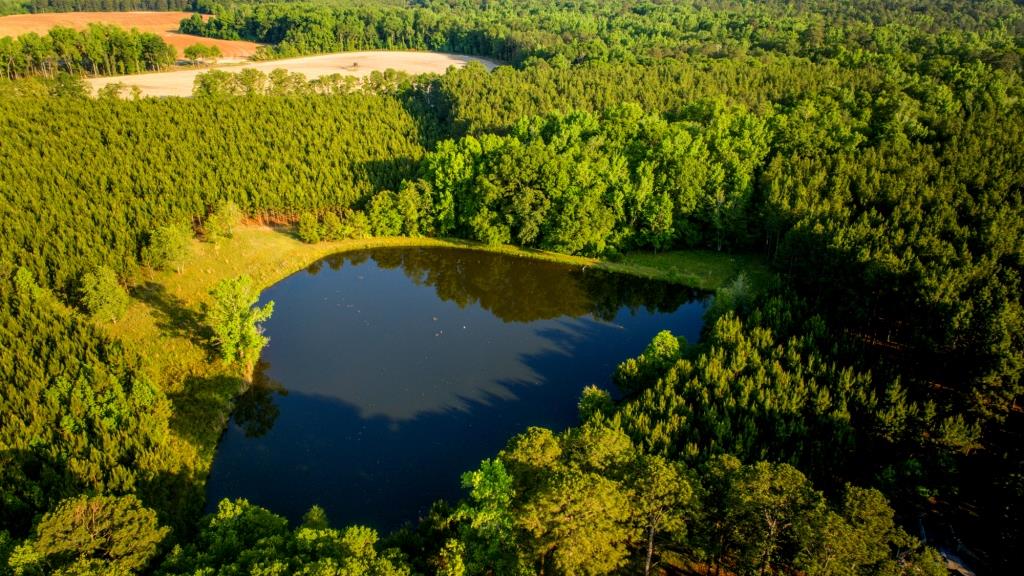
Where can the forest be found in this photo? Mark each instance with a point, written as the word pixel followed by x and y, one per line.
pixel 867 398
pixel 37 6
pixel 98 50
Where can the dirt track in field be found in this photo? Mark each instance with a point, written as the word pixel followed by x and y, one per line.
pixel 163 23
pixel 179 83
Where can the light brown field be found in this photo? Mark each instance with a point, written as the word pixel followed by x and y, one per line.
pixel 163 23
pixel 358 64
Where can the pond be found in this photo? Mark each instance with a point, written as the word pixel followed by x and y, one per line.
pixel 390 372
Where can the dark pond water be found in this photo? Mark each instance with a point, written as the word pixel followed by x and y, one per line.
pixel 390 372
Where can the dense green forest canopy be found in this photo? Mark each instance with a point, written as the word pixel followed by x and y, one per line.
pixel 869 150
pixel 632 31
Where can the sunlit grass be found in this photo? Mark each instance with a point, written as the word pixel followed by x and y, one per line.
pixel 696 268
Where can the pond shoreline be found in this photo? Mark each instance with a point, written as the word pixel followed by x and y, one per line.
pixel 203 391
pixel 398 362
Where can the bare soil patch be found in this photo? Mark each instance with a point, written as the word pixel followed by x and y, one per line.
pixel 163 23
pixel 359 64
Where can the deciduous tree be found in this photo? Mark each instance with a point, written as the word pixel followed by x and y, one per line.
pixel 235 321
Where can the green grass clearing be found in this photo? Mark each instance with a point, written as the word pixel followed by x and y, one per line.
pixel 701 269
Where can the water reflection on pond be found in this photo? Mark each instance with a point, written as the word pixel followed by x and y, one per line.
pixel 392 371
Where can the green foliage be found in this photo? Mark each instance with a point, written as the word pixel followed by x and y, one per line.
pixel 858 535
pixel 168 246
pixel 411 203
pixel 661 498
pixel 142 165
pixel 596 447
pixel 219 83
pixel 747 394
pixel 638 374
pixel 567 33
pixel 103 295
pixel 79 413
pixel 241 538
pixel 40 6
pixel 333 228
pixel 869 149
pixel 737 297
pixel 115 90
pixel 450 561
pixel 768 518
pixel 595 403
pixel 552 509
pixel 222 221
pixel 315 519
pixel 7 545
pixel 92 535
pixel 234 319
pixel 100 49
pixel 198 51
pixel 237 533
pixel 309 228
pixel 487 538
pixel 775 508
pixel 583 183
pixel 385 215
pixel 357 224
pixel 582 502
pixel 69 86
pixel 577 524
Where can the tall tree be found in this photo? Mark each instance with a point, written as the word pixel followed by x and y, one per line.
pixel 661 494
pixel 92 535
pixel 577 523
pixel 235 321
pixel 221 222
pixel 103 295
pixel 168 247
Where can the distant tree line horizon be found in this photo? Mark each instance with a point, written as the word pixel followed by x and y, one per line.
pixel 100 49
pixel 43 6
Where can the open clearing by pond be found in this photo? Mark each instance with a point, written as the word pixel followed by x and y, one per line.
pixel 359 64
pixel 164 24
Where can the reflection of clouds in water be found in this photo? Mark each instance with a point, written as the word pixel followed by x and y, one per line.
pixel 406 332
pixel 454 371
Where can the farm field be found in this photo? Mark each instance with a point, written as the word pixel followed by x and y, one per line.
pixel 359 64
pixel 163 23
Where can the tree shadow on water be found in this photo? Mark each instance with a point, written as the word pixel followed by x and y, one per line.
pixel 173 316
pixel 255 410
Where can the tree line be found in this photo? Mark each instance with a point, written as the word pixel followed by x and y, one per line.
pixel 907 31
pixel 98 50
pixel 40 6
